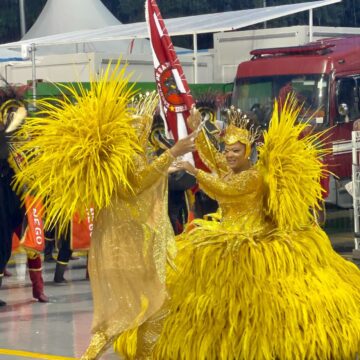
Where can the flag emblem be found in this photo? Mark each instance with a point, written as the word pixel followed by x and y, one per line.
pixel 170 95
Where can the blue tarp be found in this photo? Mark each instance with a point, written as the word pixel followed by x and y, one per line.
pixel 11 59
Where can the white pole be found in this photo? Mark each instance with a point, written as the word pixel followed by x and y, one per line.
pixel 264 5
pixel 195 58
pixel 22 17
pixel 355 136
pixel 33 49
pixel 311 25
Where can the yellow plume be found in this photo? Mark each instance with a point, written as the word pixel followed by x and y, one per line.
pixel 291 166
pixel 80 147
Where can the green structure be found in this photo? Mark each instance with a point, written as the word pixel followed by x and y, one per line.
pixel 47 89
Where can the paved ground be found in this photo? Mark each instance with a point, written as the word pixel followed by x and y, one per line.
pixel 61 328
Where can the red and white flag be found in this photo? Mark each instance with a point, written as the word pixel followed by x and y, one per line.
pixel 175 97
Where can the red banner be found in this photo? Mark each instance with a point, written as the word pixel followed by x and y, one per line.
pixel 175 97
pixel 172 86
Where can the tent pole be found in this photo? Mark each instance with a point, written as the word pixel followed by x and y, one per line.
pixel 195 58
pixel 22 18
pixel 311 25
pixel 264 5
pixel 33 49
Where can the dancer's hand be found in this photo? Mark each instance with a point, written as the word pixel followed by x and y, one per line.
pixel 183 146
pixel 185 165
pixel 194 118
pixel 173 169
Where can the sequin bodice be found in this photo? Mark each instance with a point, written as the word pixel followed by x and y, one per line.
pixel 240 197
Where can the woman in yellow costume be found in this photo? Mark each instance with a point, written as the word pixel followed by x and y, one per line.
pixel 88 149
pixel 262 281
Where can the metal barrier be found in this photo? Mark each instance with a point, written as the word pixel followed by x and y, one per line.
pixel 355 142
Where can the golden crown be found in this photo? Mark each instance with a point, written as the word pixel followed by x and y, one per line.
pixel 145 104
pixel 240 128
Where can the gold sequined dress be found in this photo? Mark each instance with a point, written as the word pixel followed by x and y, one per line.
pixel 262 280
pixel 128 254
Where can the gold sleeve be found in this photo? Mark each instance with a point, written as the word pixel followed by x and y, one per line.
pixel 216 187
pixel 212 158
pixel 147 174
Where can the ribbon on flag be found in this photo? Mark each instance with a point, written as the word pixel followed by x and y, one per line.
pixel 175 97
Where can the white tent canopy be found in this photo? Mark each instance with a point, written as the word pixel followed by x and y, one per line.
pixel 207 23
pixel 62 16
pixel 69 16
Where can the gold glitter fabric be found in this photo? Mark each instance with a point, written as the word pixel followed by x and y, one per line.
pixel 213 159
pixel 97 346
pixel 128 254
pixel 245 289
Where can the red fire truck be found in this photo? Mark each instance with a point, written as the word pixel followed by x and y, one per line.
pixel 325 75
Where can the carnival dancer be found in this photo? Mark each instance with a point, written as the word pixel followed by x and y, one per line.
pixel 262 282
pixel 30 238
pixel 139 229
pixel 12 113
pixel 10 207
pixel 93 147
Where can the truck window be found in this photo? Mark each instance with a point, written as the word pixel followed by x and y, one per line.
pixel 346 91
pixel 258 93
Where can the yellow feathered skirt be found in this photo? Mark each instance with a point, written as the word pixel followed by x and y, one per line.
pixel 265 295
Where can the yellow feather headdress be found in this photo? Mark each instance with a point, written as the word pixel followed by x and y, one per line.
pixel 81 147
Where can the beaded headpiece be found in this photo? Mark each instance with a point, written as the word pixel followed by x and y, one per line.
pixel 207 103
pixel 240 129
pixel 144 106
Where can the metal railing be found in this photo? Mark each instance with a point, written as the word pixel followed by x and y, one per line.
pixel 355 140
